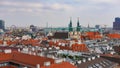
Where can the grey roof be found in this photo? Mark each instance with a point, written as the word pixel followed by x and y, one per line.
pixel 97 63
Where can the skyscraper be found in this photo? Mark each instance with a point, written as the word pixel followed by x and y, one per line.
pixel 116 24
pixel 2 24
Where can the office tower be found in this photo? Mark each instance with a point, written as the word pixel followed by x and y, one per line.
pixel 2 24
pixel 116 24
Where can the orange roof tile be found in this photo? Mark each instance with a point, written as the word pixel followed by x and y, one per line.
pixel 30 59
pixel 61 65
pixel 114 35
pixel 80 47
pixel 25 59
pixel 7 67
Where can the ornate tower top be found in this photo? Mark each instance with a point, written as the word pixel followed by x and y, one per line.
pixel 70 25
pixel 78 25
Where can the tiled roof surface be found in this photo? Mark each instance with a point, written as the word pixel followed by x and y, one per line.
pixel 93 35
pixel 80 47
pixel 61 65
pixel 97 63
pixel 24 59
pixel 8 67
pixel 114 35
pixel 5 57
pixel 30 59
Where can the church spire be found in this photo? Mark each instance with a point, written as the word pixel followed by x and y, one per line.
pixel 78 22
pixel 88 27
pixel 78 25
pixel 70 25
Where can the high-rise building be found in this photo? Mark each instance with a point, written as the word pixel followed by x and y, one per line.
pixel 2 24
pixel 33 28
pixel 116 24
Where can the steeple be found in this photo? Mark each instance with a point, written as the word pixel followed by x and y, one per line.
pixel 70 25
pixel 88 27
pixel 78 25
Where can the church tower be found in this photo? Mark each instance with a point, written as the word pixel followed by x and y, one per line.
pixel 78 26
pixel 70 26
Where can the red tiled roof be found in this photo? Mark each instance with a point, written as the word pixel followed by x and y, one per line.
pixel 31 59
pixel 25 59
pixel 75 47
pixel 114 35
pixel 5 57
pixel 80 47
pixel 1 42
pixel 93 35
pixel 8 67
pixel 61 65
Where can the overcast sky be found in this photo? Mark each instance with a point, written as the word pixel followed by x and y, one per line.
pixel 58 12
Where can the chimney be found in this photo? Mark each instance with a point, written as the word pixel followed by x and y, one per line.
pixel 59 43
pixel 47 63
pixel 84 60
pixel 29 52
pixel 38 66
pixel 98 56
pixel 34 53
pixel 50 48
pixel 33 49
pixel 58 60
pixel 63 44
pixel 89 59
pixel 18 50
pixel 41 54
pixel 44 48
pixel 93 58
pixel 79 62
pixel 57 48
pixel 79 42
pixel 7 50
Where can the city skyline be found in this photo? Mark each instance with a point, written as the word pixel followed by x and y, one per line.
pixel 57 13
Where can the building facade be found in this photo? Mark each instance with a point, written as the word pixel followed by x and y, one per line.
pixel 2 24
pixel 116 24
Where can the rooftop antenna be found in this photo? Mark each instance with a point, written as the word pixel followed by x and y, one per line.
pixel 46 29
pixel 88 26
pixel 47 25
pixel 51 28
pixel 78 22
pixel 70 19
